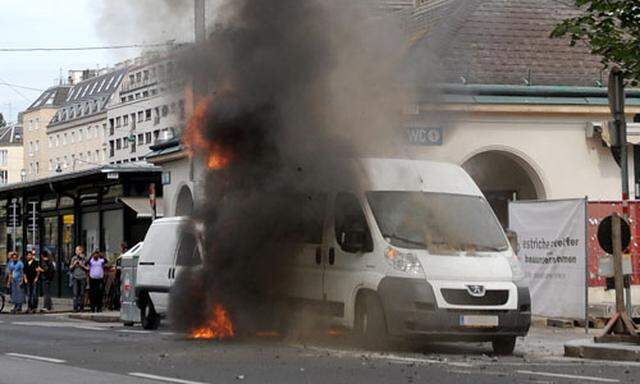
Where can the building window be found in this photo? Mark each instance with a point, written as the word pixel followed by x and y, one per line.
pixel 147 114
pixel 4 177
pixel 111 149
pixel 31 148
pixel 125 143
pixel 50 164
pixel 37 149
pixel 50 141
pixel 138 77
pixel 147 137
pixel 37 123
pixel 57 140
pixel 3 157
pixel 165 110
pixel 97 155
pixel 156 135
pixel 140 139
pixel 125 120
pixel 73 137
pixel 118 122
pixel 140 116
pixel 37 168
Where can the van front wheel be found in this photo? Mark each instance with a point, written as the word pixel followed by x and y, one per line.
pixel 504 346
pixel 148 316
pixel 370 326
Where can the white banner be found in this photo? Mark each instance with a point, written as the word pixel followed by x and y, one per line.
pixel 553 253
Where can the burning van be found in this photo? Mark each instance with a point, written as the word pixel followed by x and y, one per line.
pixel 414 251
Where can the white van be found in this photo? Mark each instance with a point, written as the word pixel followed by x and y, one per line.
pixel 171 244
pixel 415 251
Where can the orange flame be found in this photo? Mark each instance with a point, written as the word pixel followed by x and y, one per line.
pixel 218 327
pixel 195 141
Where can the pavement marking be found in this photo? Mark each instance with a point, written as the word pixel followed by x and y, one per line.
pixel 565 376
pixel 54 324
pixel 167 333
pixel 38 358
pixel 133 331
pixel 164 378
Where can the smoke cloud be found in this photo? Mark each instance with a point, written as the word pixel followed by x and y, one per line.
pixel 292 90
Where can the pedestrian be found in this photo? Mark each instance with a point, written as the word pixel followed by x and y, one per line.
pixel 15 281
pixel 31 275
pixel 96 277
pixel 79 269
pixel 47 273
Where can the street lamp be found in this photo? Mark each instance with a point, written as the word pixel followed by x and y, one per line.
pixel 23 174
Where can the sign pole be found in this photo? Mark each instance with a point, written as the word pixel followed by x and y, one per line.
pixel 13 223
pixel 586 267
pixel 616 104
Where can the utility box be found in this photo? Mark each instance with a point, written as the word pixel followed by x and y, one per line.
pixel 129 311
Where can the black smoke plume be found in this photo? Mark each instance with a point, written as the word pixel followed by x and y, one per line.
pixel 294 88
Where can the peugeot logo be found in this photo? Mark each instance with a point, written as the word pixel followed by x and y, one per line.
pixel 476 290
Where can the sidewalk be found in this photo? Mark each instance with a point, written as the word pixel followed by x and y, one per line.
pixel 589 349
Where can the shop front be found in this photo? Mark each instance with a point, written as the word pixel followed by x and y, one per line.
pixel 100 208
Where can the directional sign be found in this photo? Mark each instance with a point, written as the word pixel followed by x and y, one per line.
pixel 14 216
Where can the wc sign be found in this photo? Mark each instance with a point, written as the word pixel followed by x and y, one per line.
pixel 424 135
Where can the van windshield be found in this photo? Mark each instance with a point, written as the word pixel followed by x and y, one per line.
pixel 438 222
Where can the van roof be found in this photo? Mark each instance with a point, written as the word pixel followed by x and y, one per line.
pixel 417 175
pixel 173 219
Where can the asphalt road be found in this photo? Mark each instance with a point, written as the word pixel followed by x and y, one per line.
pixel 54 349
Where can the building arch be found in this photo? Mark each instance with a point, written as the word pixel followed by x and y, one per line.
pixel 184 201
pixel 505 175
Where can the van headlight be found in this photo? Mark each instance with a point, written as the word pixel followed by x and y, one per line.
pixel 516 269
pixel 403 262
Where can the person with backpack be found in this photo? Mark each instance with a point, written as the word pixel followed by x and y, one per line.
pixel 79 269
pixel 48 273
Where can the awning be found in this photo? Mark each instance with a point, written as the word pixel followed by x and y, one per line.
pixel 142 207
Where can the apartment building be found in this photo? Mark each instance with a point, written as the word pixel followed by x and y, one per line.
pixel 11 156
pixel 35 120
pixel 76 134
pixel 147 108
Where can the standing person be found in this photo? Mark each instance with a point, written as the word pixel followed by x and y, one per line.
pixel 32 274
pixel 79 268
pixel 96 277
pixel 15 280
pixel 47 273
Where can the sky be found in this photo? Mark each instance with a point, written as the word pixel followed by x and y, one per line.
pixel 78 23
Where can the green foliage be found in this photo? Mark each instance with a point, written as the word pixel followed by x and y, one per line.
pixel 611 28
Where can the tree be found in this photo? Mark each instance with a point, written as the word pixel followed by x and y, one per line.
pixel 3 123
pixel 611 29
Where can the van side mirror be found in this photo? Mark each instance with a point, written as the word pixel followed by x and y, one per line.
pixel 353 240
pixel 512 236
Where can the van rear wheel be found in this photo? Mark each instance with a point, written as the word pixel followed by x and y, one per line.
pixel 504 345
pixel 370 326
pixel 148 316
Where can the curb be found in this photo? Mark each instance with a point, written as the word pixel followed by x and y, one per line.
pixel 96 318
pixel 589 349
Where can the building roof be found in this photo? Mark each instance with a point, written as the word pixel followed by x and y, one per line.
pixel 102 172
pixel 53 97
pixel 505 42
pixel 11 135
pixel 88 97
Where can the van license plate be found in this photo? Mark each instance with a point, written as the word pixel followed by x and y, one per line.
pixel 478 321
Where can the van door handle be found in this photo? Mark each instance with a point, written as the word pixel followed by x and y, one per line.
pixel 169 274
pixel 318 255
pixel 332 256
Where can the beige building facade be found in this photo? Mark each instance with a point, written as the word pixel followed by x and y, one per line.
pixel 76 134
pixel 35 120
pixel 11 155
